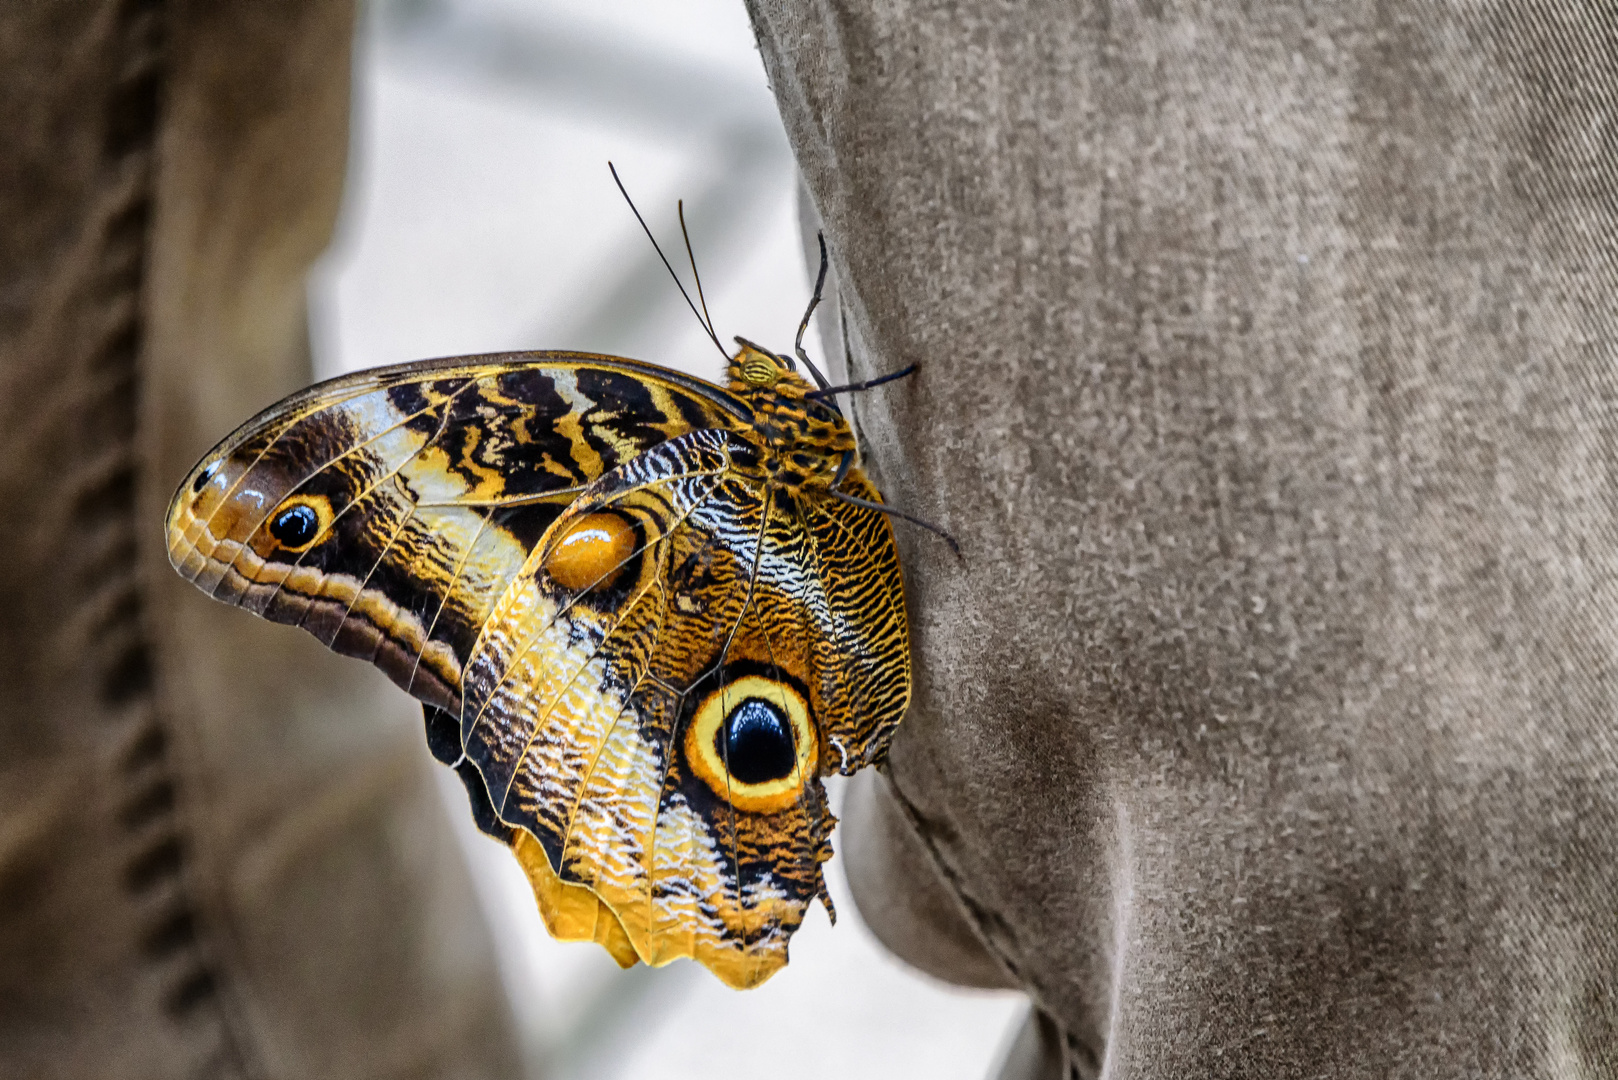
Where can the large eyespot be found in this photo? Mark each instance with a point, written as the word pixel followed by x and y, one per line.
pixel 752 743
pixel 592 552
pixel 299 522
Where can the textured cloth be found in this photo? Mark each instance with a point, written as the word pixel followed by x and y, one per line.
pixel 221 850
pixel 1267 728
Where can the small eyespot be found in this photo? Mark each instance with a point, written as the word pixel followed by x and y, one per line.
pixel 296 527
pixel 203 477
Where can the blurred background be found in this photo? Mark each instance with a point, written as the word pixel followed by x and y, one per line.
pixel 480 217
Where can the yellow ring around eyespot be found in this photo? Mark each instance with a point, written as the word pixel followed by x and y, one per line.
pixel 591 552
pixel 323 515
pixel 703 753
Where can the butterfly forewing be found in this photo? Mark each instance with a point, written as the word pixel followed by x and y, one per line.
pixel 425 488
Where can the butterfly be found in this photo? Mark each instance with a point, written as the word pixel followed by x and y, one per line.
pixel 645 615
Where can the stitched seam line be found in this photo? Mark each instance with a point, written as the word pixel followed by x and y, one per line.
pixel 156 871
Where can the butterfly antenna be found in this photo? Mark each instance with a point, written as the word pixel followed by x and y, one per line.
pixel 666 265
pixel 689 254
pixel 814 302
pixel 867 504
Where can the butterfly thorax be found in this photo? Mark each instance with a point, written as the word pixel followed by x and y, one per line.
pixel 802 439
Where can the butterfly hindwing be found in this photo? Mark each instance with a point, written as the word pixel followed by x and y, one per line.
pixel 595 712
pixel 860 640
pixel 576 692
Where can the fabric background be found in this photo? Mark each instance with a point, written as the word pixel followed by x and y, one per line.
pixel 1268 381
pixel 221 853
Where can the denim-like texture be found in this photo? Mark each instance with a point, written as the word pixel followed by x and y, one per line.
pixel 1269 382
pixel 221 851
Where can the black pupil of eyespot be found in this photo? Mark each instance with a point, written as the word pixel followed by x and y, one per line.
pixel 203 477
pixel 295 526
pixel 755 742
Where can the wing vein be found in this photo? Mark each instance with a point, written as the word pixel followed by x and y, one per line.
pixel 449 592
pixel 483 630
pixel 447 405
pixel 534 638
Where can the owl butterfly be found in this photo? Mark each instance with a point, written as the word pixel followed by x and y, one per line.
pixel 645 615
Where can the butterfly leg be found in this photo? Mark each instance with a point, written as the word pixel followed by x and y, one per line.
pixel 814 302
pixel 843 466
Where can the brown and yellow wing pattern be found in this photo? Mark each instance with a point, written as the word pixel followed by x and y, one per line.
pixel 639 645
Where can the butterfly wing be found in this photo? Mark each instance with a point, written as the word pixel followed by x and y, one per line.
pixel 854 593
pixel 661 728
pixel 412 495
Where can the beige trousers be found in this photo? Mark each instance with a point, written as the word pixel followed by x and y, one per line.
pixel 1269 727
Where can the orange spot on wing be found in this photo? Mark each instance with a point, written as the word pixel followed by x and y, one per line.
pixel 592 552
